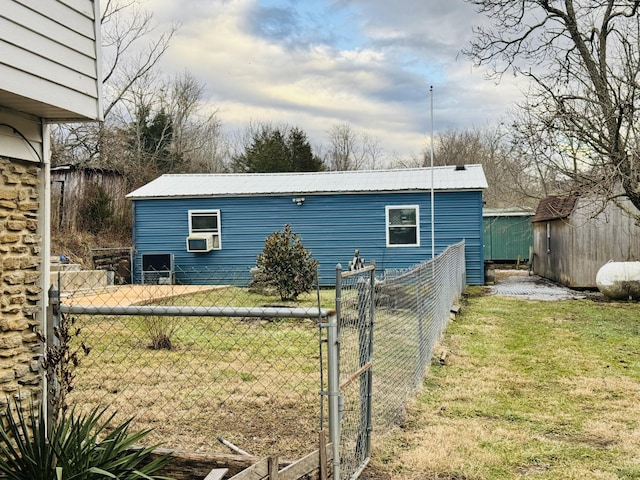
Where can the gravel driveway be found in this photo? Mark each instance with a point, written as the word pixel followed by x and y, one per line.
pixel 518 283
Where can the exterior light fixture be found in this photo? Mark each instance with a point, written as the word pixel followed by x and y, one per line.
pixel 298 201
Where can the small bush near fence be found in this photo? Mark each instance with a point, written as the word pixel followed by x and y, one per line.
pixel 286 265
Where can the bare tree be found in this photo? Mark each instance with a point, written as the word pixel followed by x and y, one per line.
pixel 197 131
pixel 583 59
pixel 372 150
pixel 534 157
pixel 342 153
pixel 457 147
pixel 168 128
pixel 184 102
pixel 511 180
pixel 124 27
pixel 131 51
pixel 210 150
pixel 352 150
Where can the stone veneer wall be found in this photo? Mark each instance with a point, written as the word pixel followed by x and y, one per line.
pixel 20 281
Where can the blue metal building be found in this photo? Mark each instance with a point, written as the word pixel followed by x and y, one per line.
pixel 220 222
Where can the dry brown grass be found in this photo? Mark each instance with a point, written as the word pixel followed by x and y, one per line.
pixel 529 390
pixel 254 383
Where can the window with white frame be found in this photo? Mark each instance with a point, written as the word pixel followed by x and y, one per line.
pixel 204 223
pixel 403 226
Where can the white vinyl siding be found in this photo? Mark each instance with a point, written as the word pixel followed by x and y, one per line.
pixel 78 52
pixel 49 58
pixel 12 144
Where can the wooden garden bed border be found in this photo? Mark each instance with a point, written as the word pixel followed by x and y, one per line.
pixel 206 466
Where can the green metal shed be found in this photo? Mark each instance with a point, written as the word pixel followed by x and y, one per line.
pixel 508 233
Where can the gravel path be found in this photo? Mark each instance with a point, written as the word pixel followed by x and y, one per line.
pixel 518 283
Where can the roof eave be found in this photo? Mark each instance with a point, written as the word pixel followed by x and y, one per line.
pixel 131 196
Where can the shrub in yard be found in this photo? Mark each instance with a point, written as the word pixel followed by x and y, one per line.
pixel 78 447
pixel 286 264
pixel 160 329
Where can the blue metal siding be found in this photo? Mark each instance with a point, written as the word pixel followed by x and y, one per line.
pixel 330 226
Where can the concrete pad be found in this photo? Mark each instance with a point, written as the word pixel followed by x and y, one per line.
pixel 126 295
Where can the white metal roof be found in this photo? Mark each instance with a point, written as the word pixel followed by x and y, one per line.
pixel 508 212
pixel 355 181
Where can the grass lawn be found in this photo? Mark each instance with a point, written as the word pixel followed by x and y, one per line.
pixel 528 389
pixel 253 381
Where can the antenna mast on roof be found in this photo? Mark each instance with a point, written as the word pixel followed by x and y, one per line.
pixel 433 229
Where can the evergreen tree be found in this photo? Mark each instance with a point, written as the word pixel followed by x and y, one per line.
pixel 151 140
pixel 301 155
pixel 287 265
pixel 271 151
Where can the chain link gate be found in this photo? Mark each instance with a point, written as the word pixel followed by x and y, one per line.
pixel 412 308
pixel 350 371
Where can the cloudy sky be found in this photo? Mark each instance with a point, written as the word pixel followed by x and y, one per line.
pixel 317 63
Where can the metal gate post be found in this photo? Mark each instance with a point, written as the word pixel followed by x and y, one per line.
pixel 334 391
pixel 372 307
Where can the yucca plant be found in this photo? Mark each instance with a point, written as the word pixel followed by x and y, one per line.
pixel 79 447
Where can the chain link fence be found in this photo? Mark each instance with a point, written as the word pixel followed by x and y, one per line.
pixel 406 311
pixel 195 363
pixel 210 360
pixel 355 317
pixel 413 307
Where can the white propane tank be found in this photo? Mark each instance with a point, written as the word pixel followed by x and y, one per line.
pixel 619 280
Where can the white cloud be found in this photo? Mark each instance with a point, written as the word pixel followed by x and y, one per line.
pixel 305 70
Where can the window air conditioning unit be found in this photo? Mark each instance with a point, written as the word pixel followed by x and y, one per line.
pixel 202 243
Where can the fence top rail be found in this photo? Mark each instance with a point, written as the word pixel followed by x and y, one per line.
pixel 399 274
pixel 362 270
pixel 187 311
